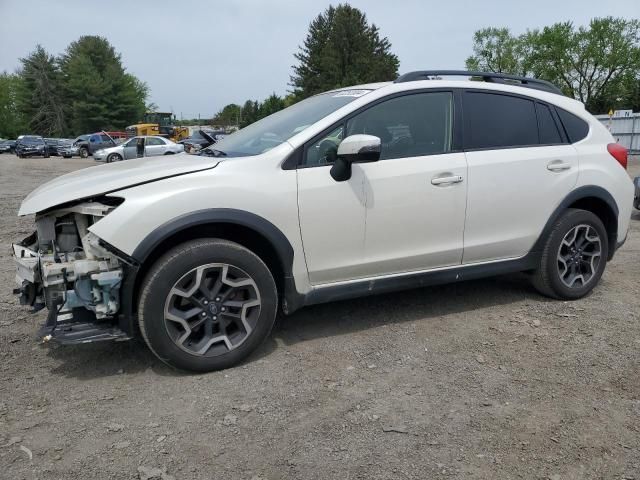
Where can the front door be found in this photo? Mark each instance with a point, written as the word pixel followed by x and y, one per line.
pixel 405 212
pixel 130 149
pixel 331 214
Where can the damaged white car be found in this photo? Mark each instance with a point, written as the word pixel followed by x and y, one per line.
pixel 352 192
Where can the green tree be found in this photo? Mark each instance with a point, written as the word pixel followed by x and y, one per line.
pixel 496 50
pixel 598 64
pixel 100 93
pixel 342 49
pixel 250 113
pixel 588 63
pixel 12 121
pixel 38 96
pixel 272 104
pixel 229 115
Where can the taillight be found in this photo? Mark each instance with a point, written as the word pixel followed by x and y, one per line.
pixel 620 153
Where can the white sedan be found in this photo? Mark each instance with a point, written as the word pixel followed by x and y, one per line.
pixel 137 147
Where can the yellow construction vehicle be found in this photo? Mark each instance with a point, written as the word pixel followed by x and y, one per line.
pixel 158 123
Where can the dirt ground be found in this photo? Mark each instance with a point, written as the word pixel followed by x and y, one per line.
pixel 482 380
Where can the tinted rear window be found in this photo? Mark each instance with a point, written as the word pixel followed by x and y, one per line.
pixel 576 128
pixel 549 133
pixel 498 121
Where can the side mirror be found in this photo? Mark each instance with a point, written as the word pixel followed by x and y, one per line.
pixel 354 149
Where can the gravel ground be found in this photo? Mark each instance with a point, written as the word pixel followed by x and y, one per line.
pixel 483 379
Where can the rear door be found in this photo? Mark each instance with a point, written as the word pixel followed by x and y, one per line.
pixel 154 146
pixel 520 168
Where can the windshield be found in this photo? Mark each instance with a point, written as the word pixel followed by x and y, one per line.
pixel 275 129
pixel 31 141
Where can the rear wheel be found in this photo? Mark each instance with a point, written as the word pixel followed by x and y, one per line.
pixel 206 305
pixel 574 256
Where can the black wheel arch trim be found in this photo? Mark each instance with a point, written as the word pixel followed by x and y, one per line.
pixel 281 245
pixel 278 240
pixel 580 193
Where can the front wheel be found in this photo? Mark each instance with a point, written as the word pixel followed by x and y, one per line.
pixel 206 305
pixel 113 157
pixel 84 153
pixel 574 256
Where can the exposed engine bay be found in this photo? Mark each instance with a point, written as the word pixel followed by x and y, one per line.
pixel 63 266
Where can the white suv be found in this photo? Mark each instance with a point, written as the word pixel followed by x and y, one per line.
pixel 352 192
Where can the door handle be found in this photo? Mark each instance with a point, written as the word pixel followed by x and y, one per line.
pixel 558 166
pixel 448 180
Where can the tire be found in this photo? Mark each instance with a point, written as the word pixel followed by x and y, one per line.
pixel 553 274
pixel 84 153
pixel 201 349
pixel 113 157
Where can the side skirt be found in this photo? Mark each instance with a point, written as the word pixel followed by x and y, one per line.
pixel 374 286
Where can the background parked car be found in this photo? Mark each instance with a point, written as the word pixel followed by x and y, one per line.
pixel 202 139
pixel 93 143
pixel 136 147
pixel 68 150
pixel 8 146
pixel 31 145
pixel 53 145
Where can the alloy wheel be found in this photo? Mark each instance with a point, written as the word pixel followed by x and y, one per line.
pixel 212 309
pixel 579 256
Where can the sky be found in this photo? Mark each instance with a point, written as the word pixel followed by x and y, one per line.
pixel 198 56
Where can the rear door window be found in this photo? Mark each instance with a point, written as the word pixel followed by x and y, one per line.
pixel 498 121
pixel 549 132
pixel 154 141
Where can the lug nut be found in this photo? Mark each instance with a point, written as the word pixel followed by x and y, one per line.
pixel 215 317
pixel 206 302
pixel 204 314
pixel 223 309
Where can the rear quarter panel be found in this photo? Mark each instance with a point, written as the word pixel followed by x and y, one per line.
pixel 598 167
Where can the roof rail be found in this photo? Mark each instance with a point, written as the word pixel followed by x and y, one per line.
pixel 490 77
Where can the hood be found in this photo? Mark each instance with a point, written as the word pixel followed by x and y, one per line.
pixel 94 181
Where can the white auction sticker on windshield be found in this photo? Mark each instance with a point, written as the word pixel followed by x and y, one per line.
pixel 351 93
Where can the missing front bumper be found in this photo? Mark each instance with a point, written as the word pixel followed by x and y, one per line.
pixel 82 294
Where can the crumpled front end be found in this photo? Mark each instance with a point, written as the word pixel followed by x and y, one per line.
pixel 67 269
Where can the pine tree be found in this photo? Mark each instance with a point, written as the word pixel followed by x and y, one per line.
pixel 38 96
pixel 272 104
pixel 100 93
pixel 342 49
pixel 12 121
